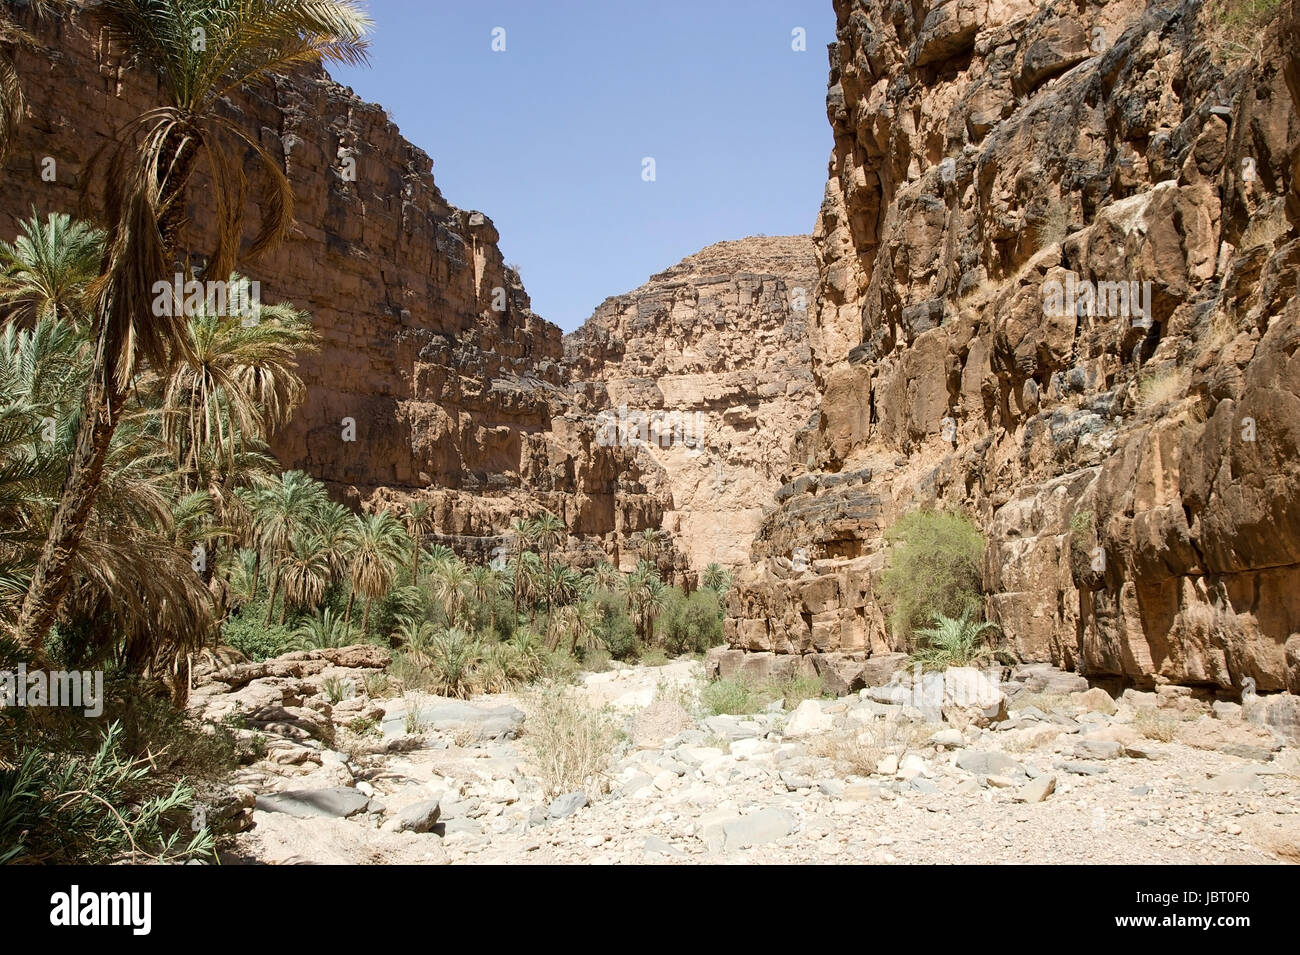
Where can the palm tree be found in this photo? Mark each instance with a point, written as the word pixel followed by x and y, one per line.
pixel 605 576
pixel 527 581
pixel 645 595
pixel 580 620
pixel 953 641
pixel 521 536
pixel 451 587
pixel 562 586
pixel 45 273
pixel 413 634
pixel 199 51
pixel 41 376
pixel 337 531
pixel 485 587
pixel 716 578
pixel 305 571
pixel 279 511
pixel 239 570
pixel 138 598
pixel 236 383
pixel 380 549
pixel 655 601
pixel 417 519
pixel 548 531
pixel 12 102
pixel 323 631
pixel 435 554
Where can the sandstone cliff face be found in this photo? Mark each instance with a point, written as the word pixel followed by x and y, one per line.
pixel 719 343
pixel 983 150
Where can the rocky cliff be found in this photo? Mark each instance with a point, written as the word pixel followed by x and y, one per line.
pixel 717 345
pixel 1057 260
pixel 435 378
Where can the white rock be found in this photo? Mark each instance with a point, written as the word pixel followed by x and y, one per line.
pixel 807 720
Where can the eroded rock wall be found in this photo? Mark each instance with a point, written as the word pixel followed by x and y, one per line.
pixel 1135 467
pixel 717 345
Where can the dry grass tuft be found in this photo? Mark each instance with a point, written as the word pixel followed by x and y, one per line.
pixel 571 744
pixel 1157 389
pixel 1155 725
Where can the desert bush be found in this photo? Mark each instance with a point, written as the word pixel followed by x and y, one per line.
pixel 691 624
pixel 571 744
pixel 247 633
pixel 407 672
pixel 1237 27
pixel 336 689
pixel 859 750
pixel 1266 229
pixel 413 723
pixel 1158 388
pixel 936 563
pixel 558 666
pixel 598 660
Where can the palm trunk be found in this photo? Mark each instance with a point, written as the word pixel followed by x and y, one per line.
pixel 257 574
pixel 365 619
pixel 270 604
pixel 347 614
pixel 101 412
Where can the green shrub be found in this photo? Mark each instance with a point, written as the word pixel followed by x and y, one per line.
pixel 614 626
pixel 256 640
pixel 729 696
pixel 691 624
pixel 936 564
pixel 795 689
pixel 736 696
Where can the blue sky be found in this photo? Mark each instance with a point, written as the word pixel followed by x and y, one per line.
pixel 548 137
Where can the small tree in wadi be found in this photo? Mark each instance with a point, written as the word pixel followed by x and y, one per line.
pixel 936 566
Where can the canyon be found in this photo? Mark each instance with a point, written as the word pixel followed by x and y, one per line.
pixel 899 357
pixel 435 378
